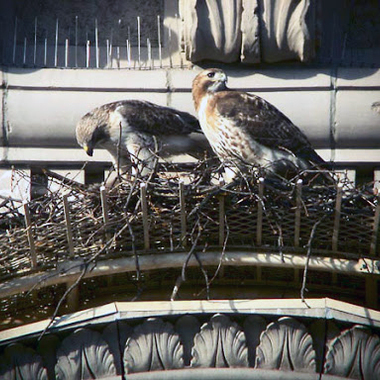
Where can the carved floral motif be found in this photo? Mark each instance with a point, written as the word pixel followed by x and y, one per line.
pixel 355 354
pixel 21 363
pixel 248 30
pixel 220 343
pixel 286 345
pixel 154 345
pixel 84 355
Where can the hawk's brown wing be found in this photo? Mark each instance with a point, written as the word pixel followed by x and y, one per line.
pixel 156 120
pixel 264 123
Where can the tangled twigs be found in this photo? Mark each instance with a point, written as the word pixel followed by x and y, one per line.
pixel 191 252
pixel 81 276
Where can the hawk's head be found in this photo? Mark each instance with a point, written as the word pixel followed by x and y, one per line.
pixel 208 81
pixel 90 132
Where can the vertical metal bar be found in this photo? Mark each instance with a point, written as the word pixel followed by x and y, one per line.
pixel 170 48
pixel 35 42
pixel 149 53
pixel 66 52
pixel 76 41
pixel 69 233
pixel 128 53
pixel 297 223
pixel 182 203
pixel 338 206
pixel 107 52
pixel 56 44
pixel 130 48
pixel 88 54
pixel 375 231
pixel 139 41
pixel 45 51
pixel 29 233
pixel 159 39
pixel 15 42
pixel 24 58
pixel 144 208
pixel 111 47
pixel 259 223
pixel 96 44
pixel 118 56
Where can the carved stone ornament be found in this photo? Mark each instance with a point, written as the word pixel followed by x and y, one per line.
pixel 286 30
pixel 21 363
pixel 220 343
pixel 84 355
pixel 248 30
pixel 286 345
pixel 354 354
pixel 212 29
pixel 118 348
pixel 154 345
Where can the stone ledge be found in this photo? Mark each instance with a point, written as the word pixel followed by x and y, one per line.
pixel 176 340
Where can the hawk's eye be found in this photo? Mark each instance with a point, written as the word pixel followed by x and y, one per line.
pixel 211 75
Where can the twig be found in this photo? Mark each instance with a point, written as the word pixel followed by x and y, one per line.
pixel 190 253
pixel 308 255
pixel 223 251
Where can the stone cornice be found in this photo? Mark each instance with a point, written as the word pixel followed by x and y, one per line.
pixel 266 339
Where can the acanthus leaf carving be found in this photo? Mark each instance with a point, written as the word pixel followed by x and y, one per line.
pixel 286 30
pixel 212 29
pixel 286 345
pixel 220 343
pixel 154 345
pixel 354 354
pixel 84 355
pixel 21 363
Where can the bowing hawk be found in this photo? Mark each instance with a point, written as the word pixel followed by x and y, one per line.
pixel 135 131
pixel 246 131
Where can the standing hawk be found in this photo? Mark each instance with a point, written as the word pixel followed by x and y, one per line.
pixel 246 131
pixel 137 132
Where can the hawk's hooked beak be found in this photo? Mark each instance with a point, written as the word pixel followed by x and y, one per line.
pixel 88 149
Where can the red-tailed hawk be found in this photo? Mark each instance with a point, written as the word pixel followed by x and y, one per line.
pixel 245 131
pixel 137 131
